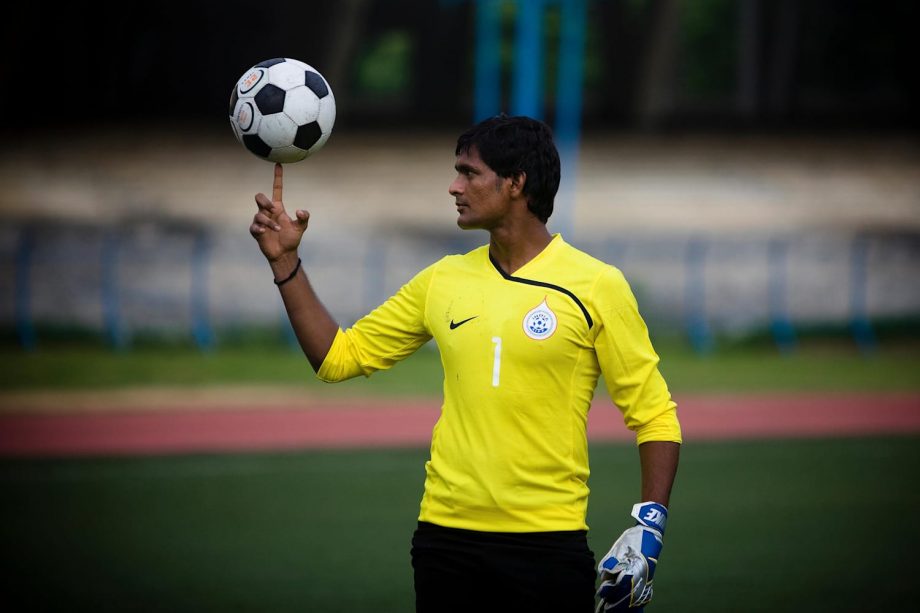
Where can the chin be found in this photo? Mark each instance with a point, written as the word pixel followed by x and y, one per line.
pixel 468 226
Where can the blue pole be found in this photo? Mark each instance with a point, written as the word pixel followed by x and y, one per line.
pixel 695 296
pixel 290 337
pixel 111 304
pixel 780 321
pixel 287 330
pixel 859 312
pixel 568 107
pixel 375 267
pixel 487 87
pixel 527 84
pixel 201 324
pixel 571 71
pixel 615 253
pixel 25 328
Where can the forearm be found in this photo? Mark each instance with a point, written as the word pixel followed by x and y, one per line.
pixel 313 325
pixel 628 569
pixel 659 461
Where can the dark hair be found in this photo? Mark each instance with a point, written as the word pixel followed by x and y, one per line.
pixel 511 145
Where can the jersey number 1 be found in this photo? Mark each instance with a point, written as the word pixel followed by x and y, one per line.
pixel 496 360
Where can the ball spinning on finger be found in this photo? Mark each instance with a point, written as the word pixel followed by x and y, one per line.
pixel 282 110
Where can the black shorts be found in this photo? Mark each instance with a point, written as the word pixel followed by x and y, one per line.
pixel 472 571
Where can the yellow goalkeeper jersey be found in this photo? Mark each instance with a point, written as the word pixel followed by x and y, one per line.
pixel 521 354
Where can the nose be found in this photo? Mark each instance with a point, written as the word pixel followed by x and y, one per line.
pixel 456 187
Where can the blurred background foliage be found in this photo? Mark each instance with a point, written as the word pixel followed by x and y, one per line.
pixel 85 84
pixel 833 63
pixel 706 67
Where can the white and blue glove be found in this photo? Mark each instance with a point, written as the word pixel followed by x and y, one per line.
pixel 626 572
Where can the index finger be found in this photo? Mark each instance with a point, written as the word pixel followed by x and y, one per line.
pixel 276 186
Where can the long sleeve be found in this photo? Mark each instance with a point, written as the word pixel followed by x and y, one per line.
pixel 390 333
pixel 630 365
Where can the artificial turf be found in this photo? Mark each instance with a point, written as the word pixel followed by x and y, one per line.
pixel 805 525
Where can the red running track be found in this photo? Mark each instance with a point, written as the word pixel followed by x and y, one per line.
pixel 391 423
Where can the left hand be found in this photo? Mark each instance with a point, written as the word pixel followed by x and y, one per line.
pixel 628 569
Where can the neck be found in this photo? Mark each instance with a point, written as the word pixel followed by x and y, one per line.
pixel 512 249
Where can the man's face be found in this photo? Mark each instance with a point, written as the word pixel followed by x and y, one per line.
pixel 481 195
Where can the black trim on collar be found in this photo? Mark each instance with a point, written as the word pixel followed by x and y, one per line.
pixel 542 284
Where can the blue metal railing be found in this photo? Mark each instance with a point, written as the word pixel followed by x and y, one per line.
pixel 780 320
pixel 859 317
pixel 25 328
pixel 715 288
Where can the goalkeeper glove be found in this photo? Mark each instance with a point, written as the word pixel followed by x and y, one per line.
pixel 627 570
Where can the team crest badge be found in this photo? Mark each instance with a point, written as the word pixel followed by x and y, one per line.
pixel 540 322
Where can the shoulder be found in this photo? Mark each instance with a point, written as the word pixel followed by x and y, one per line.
pixel 469 259
pixel 607 286
pixel 594 270
pixel 584 260
pixel 450 265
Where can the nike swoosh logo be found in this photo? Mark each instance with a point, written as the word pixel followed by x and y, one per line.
pixel 460 323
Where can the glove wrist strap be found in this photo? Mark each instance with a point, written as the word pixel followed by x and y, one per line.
pixel 651 515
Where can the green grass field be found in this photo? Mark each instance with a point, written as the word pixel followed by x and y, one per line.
pixel 822 525
pixel 818 366
pixel 804 525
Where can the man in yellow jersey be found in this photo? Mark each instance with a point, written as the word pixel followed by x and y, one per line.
pixel 525 325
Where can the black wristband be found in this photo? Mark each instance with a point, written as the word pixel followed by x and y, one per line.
pixel 290 276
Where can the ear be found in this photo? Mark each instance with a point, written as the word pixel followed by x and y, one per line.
pixel 516 186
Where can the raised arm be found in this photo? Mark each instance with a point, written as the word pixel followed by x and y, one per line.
pixel 279 236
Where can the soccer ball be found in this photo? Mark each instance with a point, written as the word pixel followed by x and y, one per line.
pixel 282 110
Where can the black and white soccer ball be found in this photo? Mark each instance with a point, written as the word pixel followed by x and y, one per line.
pixel 282 110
